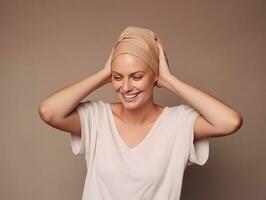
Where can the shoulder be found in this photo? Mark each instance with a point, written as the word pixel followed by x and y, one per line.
pixel 92 106
pixel 183 111
pixel 182 108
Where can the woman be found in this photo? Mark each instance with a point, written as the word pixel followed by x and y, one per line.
pixel 136 149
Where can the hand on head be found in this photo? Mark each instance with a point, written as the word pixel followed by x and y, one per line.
pixel 164 69
pixel 107 67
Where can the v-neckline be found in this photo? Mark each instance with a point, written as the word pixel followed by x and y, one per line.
pixel 137 146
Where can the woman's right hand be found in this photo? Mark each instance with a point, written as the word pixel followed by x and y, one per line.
pixel 107 67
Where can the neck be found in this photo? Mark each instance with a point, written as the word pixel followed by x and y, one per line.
pixel 141 115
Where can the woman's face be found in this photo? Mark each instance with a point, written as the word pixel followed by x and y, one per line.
pixel 131 75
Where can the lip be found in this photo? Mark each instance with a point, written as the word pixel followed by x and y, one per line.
pixel 129 100
pixel 130 94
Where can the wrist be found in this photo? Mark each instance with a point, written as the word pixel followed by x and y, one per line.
pixel 169 82
pixel 105 75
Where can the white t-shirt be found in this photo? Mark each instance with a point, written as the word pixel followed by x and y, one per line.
pixel 151 170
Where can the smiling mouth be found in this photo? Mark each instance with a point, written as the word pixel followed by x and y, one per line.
pixel 130 96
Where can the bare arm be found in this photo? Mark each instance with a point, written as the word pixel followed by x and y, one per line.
pixel 61 103
pixel 58 109
pixel 216 119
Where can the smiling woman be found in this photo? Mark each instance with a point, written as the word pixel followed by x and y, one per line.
pixel 131 75
pixel 136 149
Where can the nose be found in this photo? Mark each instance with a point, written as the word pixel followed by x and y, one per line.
pixel 127 86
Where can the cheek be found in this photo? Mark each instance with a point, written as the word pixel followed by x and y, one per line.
pixel 115 85
pixel 146 84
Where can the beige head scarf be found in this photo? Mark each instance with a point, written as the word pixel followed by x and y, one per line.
pixel 140 42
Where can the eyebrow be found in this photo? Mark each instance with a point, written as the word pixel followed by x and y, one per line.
pixel 129 74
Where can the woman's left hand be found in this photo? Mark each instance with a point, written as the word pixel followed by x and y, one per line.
pixel 164 69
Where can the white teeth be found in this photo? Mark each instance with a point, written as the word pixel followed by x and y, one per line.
pixel 131 95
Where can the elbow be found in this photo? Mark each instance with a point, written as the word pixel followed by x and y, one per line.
pixel 44 113
pixel 235 124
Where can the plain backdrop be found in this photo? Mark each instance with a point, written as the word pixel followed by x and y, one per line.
pixel 216 46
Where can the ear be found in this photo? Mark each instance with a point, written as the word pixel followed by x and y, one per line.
pixel 155 78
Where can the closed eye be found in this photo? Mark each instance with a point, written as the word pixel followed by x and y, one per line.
pixel 116 77
pixel 135 77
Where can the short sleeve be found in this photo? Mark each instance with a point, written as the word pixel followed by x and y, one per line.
pixel 88 113
pixel 199 150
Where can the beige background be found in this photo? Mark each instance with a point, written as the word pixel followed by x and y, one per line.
pixel 219 47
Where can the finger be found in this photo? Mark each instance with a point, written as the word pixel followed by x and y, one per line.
pixel 162 56
pixel 110 57
pixel 160 49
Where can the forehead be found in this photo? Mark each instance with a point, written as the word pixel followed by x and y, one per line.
pixel 126 63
